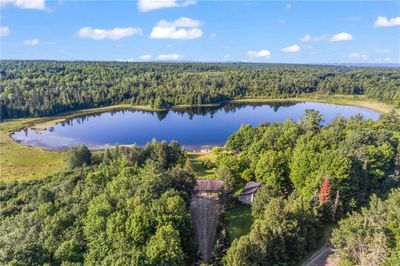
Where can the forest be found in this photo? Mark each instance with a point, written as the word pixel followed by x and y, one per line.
pixel 126 207
pixel 305 167
pixel 42 88
pixel 130 205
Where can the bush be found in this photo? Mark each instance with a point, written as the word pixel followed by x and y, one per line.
pixel 79 156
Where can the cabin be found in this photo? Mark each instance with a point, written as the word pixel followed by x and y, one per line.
pixel 248 193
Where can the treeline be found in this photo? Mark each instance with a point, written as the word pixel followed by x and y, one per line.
pixel 303 166
pixel 129 206
pixel 40 88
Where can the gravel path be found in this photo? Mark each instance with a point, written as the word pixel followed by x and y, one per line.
pixel 205 217
pixel 321 257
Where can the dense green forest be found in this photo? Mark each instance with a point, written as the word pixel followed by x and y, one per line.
pixel 303 166
pixel 40 88
pixel 130 205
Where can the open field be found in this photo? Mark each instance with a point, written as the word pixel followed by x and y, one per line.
pixel 197 159
pixel 237 220
pixel 20 162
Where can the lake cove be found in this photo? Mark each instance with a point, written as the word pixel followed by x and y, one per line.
pixel 191 127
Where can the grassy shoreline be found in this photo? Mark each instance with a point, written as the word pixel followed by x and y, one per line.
pixel 347 100
pixel 21 162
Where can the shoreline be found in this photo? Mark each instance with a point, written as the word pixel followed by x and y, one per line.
pixel 343 100
pixel 193 148
pixel 358 101
pixel 21 162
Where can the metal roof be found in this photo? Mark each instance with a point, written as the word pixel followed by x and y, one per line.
pixel 250 188
pixel 209 185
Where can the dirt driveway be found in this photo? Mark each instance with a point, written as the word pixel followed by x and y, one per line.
pixel 205 217
pixel 322 258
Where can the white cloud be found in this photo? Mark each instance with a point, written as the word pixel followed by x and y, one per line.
pixel 387 22
pixel 174 33
pixel 182 22
pixel 310 38
pixel 31 42
pixel 288 6
pixel 227 56
pixel 148 5
pixel 261 53
pixel 180 29
pixel 26 4
pixel 213 35
pixel 342 36
pixel 4 31
pixel 113 34
pixel 291 49
pixel 169 56
pixel 145 57
pixel 358 56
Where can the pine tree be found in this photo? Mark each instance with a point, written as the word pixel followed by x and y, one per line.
pixel 325 192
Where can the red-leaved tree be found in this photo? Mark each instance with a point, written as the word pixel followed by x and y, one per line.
pixel 324 192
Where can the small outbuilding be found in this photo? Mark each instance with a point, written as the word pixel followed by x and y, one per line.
pixel 248 193
pixel 209 185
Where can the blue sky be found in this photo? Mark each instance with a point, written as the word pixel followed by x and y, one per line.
pixel 186 30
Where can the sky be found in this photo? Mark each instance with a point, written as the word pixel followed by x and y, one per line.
pixel 202 30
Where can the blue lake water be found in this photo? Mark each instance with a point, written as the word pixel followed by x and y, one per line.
pixel 192 127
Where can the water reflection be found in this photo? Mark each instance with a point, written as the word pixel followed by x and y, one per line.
pixel 191 112
pixel 192 127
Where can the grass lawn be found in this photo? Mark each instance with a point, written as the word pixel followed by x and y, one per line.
pixel 237 220
pixel 197 159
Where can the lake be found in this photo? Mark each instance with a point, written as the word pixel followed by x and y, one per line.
pixel 191 127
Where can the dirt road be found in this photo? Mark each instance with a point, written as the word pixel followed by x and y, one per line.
pixel 205 217
pixel 321 257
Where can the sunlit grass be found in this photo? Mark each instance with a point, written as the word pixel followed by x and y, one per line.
pixel 237 220
pixel 19 162
pixel 198 160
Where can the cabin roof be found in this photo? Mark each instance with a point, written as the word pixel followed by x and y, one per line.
pixel 250 188
pixel 209 185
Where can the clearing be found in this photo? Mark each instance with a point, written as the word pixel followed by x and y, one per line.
pixel 237 220
pixel 203 164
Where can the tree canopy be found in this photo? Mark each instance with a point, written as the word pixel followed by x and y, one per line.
pixel 128 208
pixel 41 88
